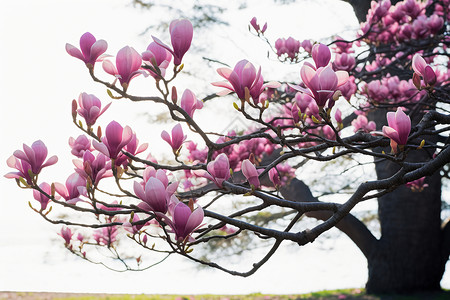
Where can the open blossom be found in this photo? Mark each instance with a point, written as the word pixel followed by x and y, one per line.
pixel 189 102
pixel 31 158
pixel 218 170
pixel 157 57
pixel 398 129
pixel 184 221
pixel 90 108
pixel 177 138
pixel 116 137
pixel 75 187
pixel 93 167
pixel 80 145
pixel 43 199
pixel 250 172
pixel 422 69
pixel 322 83
pixel 155 195
pixel 243 76
pixel 363 124
pixel 128 64
pixel 181 33
pixel 133 148
pixel 91 49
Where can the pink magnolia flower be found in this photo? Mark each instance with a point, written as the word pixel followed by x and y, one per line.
pixel 80 145
pixel 321 55
pixel 181 33
pixel 91 49
pixel 243 76
pixel 218 170
pixel 75 187
pixel 116 137
pixel 417 185
pixel 157 57
pixel 274 177
pixel 422 69
pixel 31 158
pixel 189 102
pixel 344 62
pixel 255 25
pixel 43 199
pixel 398 129
pixel 93 167
pixel 128 64
pixel 66 234
pixel 128 226
pixel 132 148
pixel 90 108
pixel 338 115
pixel 184 221
pixel 177 138
pixel 362 123
pixel 250 172
pixel 155 194
pixel 322 83
pixel 106 235
pixel 21 166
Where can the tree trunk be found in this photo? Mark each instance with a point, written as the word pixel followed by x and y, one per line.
pixel 408 257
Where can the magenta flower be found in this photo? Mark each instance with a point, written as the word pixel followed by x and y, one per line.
pixel 75 187
pixel 422 69
pixel 321 55
pixel 398 129
pixel 133 148
pixel 243 76
pixel 189 102
pixel 177 138
pixel 106 235
pixel 157 57
pixel 185 221
pixel 31 158
pixel 66 234
pixel 93 167
pixel 116 137
pixel 218 170
pixel 80 145
pixel 250 172
pixel 43 199
pixel 274 177
pixel 155 195
pixel 181 33
pixel 362 123
pixel 417 185
pixel 322 83
pixel 128 64
pixel 90 108
pixel 91 49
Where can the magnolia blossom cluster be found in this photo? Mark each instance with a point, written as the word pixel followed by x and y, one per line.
pixel 393 24
pixel 289 49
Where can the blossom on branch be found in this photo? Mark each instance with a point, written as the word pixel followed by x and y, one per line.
pixel 398 129
pixel 116 137
pixel 177 138
pixel 91 49
pixel 128 64
pixel 90 108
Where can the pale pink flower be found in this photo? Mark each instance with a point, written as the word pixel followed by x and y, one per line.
pixel 128 64
pixel 177 138
pixel 184 221
pixel 218 170
pixel 33 156
pixel 363 124
pixel 116 137
pixel 66 234
pixel 243 76
pixel 422 69
pixel 398 129
pixel 157 57
pixel 274 177
pixel 181 33
pixel 43 199
pixel 80 145
pixel 74 188
pixel 189 102
pixel 250 172
pixel 91 49
pixel 90 108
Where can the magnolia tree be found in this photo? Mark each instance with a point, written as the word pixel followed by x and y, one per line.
pixel 392 84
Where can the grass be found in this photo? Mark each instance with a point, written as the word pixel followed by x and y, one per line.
pixel 342 294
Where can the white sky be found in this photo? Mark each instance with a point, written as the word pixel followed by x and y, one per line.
pixel 38 80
